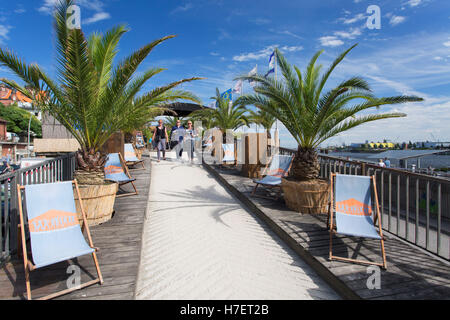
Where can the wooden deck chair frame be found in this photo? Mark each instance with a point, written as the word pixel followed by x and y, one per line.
pixel 29 266
pixel 269 186
pixel 127 172
pixel 133 163
pixel 331 227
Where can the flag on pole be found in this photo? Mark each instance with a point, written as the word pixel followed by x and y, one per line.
pixel 253 72
pixel 271 64
pixel 238 87
pixel 227 94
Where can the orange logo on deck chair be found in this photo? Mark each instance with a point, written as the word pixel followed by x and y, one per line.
pixel 129 154
pixel 113 169
pixel 353 207
pixel 229 153
pixel 53 220
pixel 277 173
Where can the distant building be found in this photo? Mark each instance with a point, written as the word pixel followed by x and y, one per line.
pixel 10 149
pixel 9 96
pixel 373 145
pixel 432 145
pixel 381 145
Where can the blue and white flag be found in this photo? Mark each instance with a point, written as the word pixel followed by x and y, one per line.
pixel 271 64
pixel 238 87
pixel 253 72
pixel 227 94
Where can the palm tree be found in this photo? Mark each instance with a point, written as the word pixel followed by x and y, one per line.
pixel 171 121
pixel 225 116
pixel 89 96
pixel 311 116
pixel 262 118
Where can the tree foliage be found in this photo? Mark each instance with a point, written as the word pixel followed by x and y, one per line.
pixel 18 120
pixel 90 95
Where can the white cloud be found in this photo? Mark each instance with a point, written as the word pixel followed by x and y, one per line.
pixel 97 17
pixel 47 6
pixel 215 54
pixel 93 5
pixel 261 21
pixel 414 3
pixel 265 53
pixel 447 43
pixel 396 20
pixel 289 33
pixel 184 8
pixel 330 41
pixel 352 34
pixel 356 18
pixel 4 31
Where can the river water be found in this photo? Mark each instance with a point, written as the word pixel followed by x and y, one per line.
pixel 435 161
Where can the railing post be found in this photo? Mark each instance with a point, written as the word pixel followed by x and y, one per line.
pixel 439 212
pixel 13 213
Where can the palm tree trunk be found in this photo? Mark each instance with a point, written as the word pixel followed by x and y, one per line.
pixel 306 164
pixel 90 167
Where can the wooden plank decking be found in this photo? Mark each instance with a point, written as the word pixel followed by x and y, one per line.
pixel 119 241
pixel 411 272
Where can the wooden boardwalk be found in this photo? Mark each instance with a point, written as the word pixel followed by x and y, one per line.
pixel 411 272
pixel 119 241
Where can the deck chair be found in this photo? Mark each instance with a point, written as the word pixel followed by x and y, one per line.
pixel 280 165
pixel 228 150
pixel 130 156
pixel 207 143
pixel 117 171
pixel 351 200
pixel 55 233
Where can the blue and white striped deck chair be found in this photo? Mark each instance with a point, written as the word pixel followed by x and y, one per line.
pixel 130 156
pixel 228 152
pixel 208 142
pixel 351 198
pixel 55 233
pixel 117 171
pixel 280 166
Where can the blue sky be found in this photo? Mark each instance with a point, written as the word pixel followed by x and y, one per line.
pixel 221 39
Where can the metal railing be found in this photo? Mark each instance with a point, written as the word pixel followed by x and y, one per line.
pixel 53 170
pixel 414 206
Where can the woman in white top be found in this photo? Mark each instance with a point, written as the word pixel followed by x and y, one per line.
pixel 189 140
pixel 381 164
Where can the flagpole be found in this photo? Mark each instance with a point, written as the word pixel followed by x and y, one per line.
pixel 276 71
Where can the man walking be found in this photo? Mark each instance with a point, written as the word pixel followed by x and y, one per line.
pixel 177 139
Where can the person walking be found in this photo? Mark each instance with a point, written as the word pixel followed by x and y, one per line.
pixel 160 137
pixel 387 162
pixel 190 136
pixel 176 139
pixel 381 164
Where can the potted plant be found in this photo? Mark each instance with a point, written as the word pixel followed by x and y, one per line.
pixel 266 120
pixel 92 98
pixel 312 116
pixel 225 116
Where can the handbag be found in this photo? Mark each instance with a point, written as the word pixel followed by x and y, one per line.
pixel 173 144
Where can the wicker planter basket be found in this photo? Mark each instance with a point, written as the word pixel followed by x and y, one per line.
pixel 310 196
pixel 252 171
pixel 98 202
